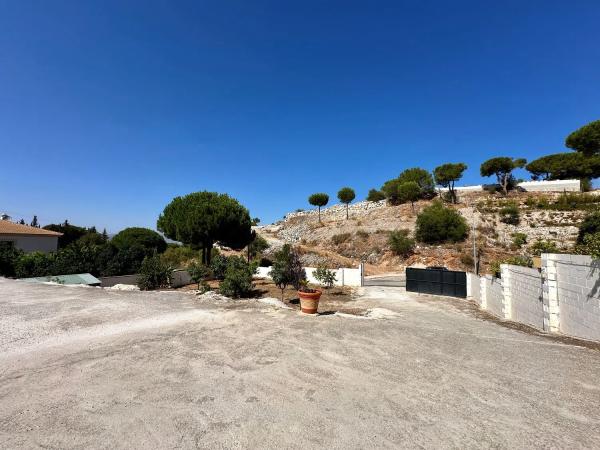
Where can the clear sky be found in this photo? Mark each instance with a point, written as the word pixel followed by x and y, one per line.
pixel 109 109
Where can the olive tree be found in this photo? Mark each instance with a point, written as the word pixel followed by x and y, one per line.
pixel 447 174
pixel 202 219
pixel 287 269
pixel 346 195
pixel 319 199
pixel 502 168
pixel 586 139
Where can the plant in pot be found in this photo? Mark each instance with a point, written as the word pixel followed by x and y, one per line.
pixel 309 298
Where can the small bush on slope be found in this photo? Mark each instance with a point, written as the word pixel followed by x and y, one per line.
pixel 437 224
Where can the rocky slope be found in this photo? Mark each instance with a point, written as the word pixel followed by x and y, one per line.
pixel 338 241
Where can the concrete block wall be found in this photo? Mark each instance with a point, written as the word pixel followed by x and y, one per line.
pixel 523 301
pixel 564 298
pixel 492 295
pixel 574 281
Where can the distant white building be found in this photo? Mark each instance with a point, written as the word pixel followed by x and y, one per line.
pixel 28 239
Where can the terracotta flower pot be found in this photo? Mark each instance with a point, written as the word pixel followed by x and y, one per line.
pixel 309 301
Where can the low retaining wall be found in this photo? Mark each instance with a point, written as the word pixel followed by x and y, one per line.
pixel 344 276
pixel 121 279
pixel 564 298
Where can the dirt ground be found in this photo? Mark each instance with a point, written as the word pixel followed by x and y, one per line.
pixel 93 368
pixel 335 299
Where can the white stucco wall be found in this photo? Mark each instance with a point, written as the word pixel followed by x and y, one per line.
pixel 474 287
pixel 32 243
pixel 344 276
pixel 531 186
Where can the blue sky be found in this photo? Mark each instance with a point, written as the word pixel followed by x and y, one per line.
pixel 110 109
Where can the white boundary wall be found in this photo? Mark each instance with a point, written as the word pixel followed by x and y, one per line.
pixel 344 276
pixel 564 298
pixel 573 295
pixel 531 186
pixel 523 295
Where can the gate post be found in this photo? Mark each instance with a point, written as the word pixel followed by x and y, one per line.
pixel 361 268
pixel 550 294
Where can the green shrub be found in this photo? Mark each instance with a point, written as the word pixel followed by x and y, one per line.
pixel 154 274
pixel 519 239
pixel 437 224
pixel 375 195
pixel 218 266
pixel 9 256
pixel 510 214
pixel 178 256
pixel 258 245
pixel 340 238
pixel 591 245
pixel 238 278
pixel 287 269
pixel 514 260
pixel 198 272
pixel 541 246
pixel 400 243
pixel 325 276
pixel 34 264
pixel 590 225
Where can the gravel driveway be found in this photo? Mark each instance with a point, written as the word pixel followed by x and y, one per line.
pixel 92 368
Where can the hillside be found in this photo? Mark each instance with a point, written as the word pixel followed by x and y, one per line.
pixel 363 237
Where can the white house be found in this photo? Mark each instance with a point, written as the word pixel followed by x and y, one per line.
pixel 28 239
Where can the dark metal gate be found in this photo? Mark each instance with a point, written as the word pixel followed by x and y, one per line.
pixel 436 282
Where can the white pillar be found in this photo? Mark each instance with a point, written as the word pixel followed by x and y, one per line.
pixel 507 296
pixel 550 293
pixel 483 287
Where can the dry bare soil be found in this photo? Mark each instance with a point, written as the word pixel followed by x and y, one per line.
pixel 338 242
pixel 91 368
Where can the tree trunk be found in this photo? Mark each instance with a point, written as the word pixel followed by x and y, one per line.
pixel 282 294
pixel 505 184
pixel 209 247
pixel 347 206
pixel 319 214
pixel 412 204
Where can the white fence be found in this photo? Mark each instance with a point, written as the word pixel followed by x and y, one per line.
pixel 564 298
pixel 343 276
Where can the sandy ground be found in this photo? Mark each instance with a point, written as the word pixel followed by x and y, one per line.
pixel 90 368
